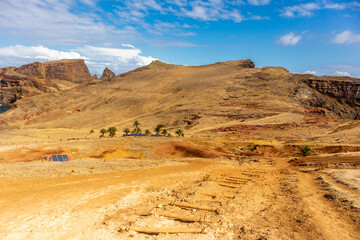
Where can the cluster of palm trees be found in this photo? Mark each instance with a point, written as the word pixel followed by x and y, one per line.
pixel 159 129
pixel 110 130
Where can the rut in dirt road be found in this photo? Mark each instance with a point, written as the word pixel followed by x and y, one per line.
pixel 244 203
pixel 200 207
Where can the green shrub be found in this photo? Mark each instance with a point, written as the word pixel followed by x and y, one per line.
pixel 305 150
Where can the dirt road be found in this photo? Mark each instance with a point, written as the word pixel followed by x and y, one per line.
pixel 262 199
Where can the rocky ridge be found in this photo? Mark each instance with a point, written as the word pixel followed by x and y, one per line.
pixel 36 78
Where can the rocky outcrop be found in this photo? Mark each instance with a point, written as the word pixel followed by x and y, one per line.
pixel 107 74
pixel 340 95
pixel 72 70
pixel 36 78
pixel 344 88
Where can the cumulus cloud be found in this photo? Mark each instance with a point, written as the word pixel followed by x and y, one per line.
pixel 310 72
pixel 117 59
pixel 342 73
pixel 346 37
pixel 36 52
pixel 289 39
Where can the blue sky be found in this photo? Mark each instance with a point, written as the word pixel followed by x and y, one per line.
pixel 320 36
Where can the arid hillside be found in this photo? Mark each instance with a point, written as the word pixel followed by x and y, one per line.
pixel 201 99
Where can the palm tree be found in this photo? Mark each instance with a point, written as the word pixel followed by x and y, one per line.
pixel 138 131
pixel 164 132
pixel 126 131
pixel 112 131
pixel 103 131
pixel 147 132
pixel 179 132
pixel 158 128
pixel 136 125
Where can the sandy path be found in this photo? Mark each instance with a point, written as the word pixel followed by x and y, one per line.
pixel 63 207
pixel 281 203
pixel 332 225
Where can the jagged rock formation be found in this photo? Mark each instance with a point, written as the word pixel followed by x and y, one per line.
pixel 36 78
pixel 107 74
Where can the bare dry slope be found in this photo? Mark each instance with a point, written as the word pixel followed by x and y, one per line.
pixel 196 98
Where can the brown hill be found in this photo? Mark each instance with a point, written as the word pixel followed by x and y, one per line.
pixel 197 98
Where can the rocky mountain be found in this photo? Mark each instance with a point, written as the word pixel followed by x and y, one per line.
pixel 197 98
pixel 37 78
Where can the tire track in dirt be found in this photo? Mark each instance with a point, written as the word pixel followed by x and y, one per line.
pixel 332 225
pixel 341 186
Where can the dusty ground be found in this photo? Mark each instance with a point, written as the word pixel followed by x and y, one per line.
pixel 100 195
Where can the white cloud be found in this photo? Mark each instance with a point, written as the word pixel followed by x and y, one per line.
pixel 55 22
pixel 346 37
pixel 91 3
pixel 310 72
pixel 175 28
pixel 211 10
pixel 338 6
pixel 127 45
pixel 117 59
pixel 308 9
pixel 289 39
pixel 341 73
pixel 300 10
pixel 200 12
pixel 36 53
pixel 258 2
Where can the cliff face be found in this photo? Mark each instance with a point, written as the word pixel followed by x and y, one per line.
pixel 347 89
pixel 340 95
pixel 69 70
pixel 36 78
